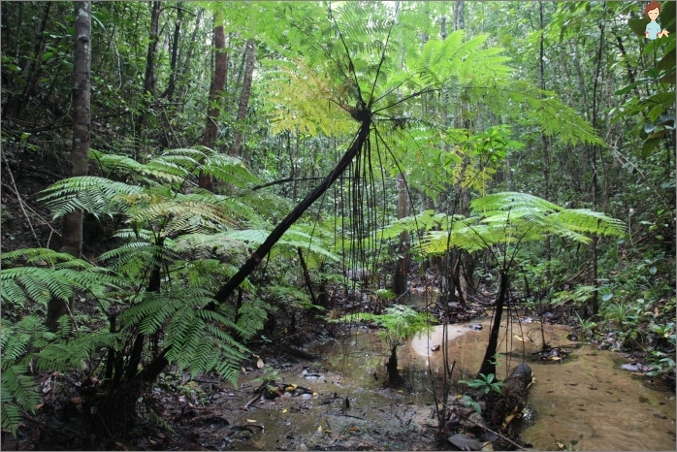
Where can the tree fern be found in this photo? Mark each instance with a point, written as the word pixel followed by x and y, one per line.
pixel 29 341
pixel 518 217
pixel 59 276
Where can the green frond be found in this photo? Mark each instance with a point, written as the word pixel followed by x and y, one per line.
pixel 20 284
pixel 95 195
pixel 71 354
pixel 510 217
pixel 229 169
pixel 18 393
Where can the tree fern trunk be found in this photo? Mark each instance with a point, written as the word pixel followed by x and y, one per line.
pixel 489 362
pixel 256 257
pixel 394 377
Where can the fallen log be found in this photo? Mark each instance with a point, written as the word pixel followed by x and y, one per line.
pixel 512 398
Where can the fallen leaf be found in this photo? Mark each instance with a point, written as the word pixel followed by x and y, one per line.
pixel 435 348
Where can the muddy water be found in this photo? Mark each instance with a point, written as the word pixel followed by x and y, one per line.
pixel 585 402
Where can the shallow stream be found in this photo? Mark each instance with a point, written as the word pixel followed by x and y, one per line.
pixel 583 402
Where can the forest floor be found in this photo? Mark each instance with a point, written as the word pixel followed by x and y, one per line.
pixel 282 402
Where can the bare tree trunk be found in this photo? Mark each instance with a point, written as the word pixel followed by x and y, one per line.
pixel 215 95
pixel 459 23
pixel 595 237
pixel 489 361
pixel 250 54
pixel 185 64
pixel 149 83
pixel 261 252
pixel 30 71
pixel 544 145
pixel 72 224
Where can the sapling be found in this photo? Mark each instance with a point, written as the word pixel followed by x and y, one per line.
pixel 399 323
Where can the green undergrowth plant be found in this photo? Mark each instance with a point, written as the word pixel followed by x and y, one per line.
pixel 485 383
pixel 171 252
pixel 399 323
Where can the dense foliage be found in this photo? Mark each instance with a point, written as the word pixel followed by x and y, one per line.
pixel 499 146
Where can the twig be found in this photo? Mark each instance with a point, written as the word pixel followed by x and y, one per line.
pixel 21 203
pixel 70 314
pixel 349 415
pixel 491 431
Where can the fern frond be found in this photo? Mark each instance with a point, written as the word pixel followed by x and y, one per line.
pixel 18 393
pixel 95 195
pixel 20 284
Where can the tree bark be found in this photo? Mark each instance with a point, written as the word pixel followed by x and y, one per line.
pixel 72 224
pixel 215 95
pixel 149 83
pixel 544 144
pixel 489 361
pixel 30 71
pixel 250 54
pixel 459 23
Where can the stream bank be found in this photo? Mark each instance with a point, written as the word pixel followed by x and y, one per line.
pixel 583 402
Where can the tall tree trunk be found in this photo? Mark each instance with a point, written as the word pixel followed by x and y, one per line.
pixel 173 64
pixel 215 96
pixel 72 224
pixel 185 64
pixel 459 23
pixel 168 111
pixel 149 82
pixel 544 143
pixel 30 71
pixel 244 97
pixel 595 237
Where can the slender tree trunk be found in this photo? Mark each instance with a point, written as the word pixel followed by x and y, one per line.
pixel 185 64
pixel 149 82
pixel 30 71
pixel 261 252
pixel 544 144
pixel 72 224
pixel 459 23
pixel 489 361
pixel 250 54
pixel 215 96
pixel 595 237
pixel 173 64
